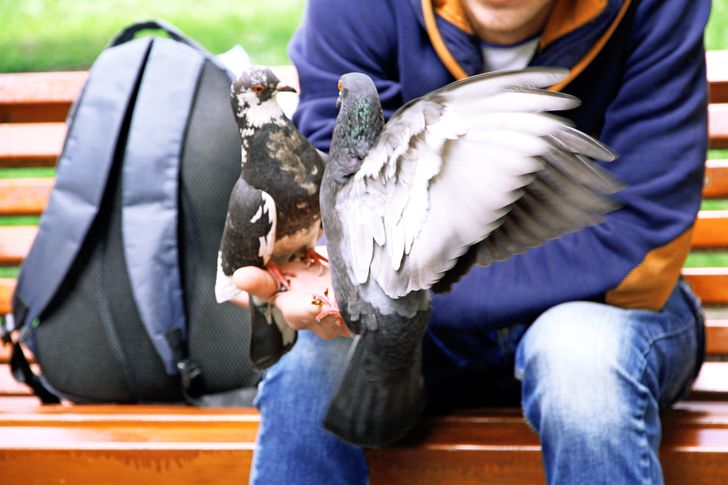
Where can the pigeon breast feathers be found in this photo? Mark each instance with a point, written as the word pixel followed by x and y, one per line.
pixel 449 168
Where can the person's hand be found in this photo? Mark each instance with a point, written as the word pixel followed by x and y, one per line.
pixel 297 304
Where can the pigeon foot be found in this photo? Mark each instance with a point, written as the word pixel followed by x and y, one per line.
pixel 311 257
pixel 328 308
pixel 280 276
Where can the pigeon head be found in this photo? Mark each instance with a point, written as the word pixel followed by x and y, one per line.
pixel 358 125
pixel 254 93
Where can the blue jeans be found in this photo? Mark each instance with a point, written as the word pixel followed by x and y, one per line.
pixel 593 379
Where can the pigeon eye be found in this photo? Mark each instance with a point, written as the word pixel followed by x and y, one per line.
pixel 341 86
pixel 258 88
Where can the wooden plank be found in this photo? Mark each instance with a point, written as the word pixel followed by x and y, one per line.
pixel 42 92
pixel 718 125
pixel 38 96
pixel 192 465
pixel 47 96
pixel 711 229
pixel 717 72
pixel 28 196
pixel 15 242
pixel 24 196
pixel 712 383
pixel 39 144
pixel 126 444
pixel 7 287
pixel 31 144
pixel 9 386
pixel 716 179
pixel 710 284
pixel 5 354
pixel 716 337
pixel 143 443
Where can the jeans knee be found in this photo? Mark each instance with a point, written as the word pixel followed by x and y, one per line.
pixel 302 381
pixel 292 445
pixel 573 366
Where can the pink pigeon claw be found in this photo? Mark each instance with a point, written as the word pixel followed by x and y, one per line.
pixel 328 307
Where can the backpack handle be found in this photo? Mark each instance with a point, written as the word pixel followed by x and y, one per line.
pixel 129 32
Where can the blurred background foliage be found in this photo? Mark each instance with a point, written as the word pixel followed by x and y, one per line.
pixel 37 35
pixel 42 35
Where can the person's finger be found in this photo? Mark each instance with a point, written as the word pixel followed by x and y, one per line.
pixel 258 282
pixel 297 308
pixel 300 312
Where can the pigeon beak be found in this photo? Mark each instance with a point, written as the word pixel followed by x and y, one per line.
pixel 285 88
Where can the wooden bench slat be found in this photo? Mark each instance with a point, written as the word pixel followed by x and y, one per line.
pixel 716 336
pixel 15 242
pixel 717 73
pixel 31 144
pixel 142 465
pixel 710 284
pixel 47 96
pixel 155 441
pixel 24 196
pixel 718 125
pixel 39 144
pixel 7 287
pixel 716 179
pixel 711 229
pixel 38 96
pixel 28 196
pixel 710 384
pixel 9 386
pixel 716 340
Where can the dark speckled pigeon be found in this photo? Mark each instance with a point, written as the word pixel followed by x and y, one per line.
pixel 471 173
pixel 273 213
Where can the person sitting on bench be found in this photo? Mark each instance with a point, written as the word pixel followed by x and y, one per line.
pixel 599 327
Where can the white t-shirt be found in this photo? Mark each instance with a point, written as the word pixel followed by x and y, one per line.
pixel 501 57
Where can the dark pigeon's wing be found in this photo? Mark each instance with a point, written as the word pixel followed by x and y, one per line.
pixel 453 167
pixel 248 236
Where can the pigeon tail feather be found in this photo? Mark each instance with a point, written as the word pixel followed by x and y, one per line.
pixel 375 411
pixel 267 342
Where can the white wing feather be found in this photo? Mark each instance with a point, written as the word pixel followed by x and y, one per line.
pixel 444 172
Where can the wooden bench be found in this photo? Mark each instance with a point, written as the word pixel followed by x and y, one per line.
pixel 177 444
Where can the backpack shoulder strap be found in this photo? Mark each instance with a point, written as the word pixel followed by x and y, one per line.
pixel 81 176
pixel 150 192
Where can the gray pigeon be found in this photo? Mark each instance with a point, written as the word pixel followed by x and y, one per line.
pixel 468 174
pixel 273 213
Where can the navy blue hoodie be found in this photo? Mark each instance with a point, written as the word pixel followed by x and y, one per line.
pixel 639 69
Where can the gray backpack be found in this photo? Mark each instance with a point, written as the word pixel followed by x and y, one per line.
pixel 116 297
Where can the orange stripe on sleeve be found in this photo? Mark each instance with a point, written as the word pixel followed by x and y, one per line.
pixel 649 284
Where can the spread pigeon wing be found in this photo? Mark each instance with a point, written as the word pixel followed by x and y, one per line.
pixel 475 164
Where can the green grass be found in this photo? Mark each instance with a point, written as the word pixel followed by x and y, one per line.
pixel 716 34
pixel 11 272
pixel 19 220
pixel 41 35
pixel 17 172
pixel 702 260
